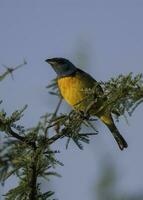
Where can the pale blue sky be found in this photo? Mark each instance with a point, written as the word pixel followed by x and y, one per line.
pixel 112 34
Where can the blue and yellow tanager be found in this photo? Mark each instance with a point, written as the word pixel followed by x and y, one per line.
pixel 73 82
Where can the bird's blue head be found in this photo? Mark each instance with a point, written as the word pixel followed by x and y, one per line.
pixel 62 66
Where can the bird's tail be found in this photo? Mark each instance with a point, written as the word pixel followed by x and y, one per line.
pixel 118 137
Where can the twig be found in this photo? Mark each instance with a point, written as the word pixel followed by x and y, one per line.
pixel 54 138
pixel 21 138
pixel 14 134
pixel 10 70
pixel 57 109
pixel 54 115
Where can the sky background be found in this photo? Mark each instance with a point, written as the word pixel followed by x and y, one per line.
pixel 110 35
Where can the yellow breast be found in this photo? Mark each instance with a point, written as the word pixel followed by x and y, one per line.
pixel 73 90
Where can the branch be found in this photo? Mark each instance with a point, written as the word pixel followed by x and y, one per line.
pixel 15 135
pixel 9 131
pixel 21 138
pixel 10 70
pixel 33 178
pixel 54 138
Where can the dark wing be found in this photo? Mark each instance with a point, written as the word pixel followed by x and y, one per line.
pixel 91 81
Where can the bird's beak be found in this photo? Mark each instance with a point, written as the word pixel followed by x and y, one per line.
pixel 50 61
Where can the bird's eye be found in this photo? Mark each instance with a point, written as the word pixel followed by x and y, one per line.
pixel 62 62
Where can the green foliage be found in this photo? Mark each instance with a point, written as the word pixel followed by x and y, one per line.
pixel 124 93
pixel 28 159
pixel 27 153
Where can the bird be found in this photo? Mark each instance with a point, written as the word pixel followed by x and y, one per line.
pixel 72 83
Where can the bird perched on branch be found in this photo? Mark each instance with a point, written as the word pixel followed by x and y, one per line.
pixel 72 83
